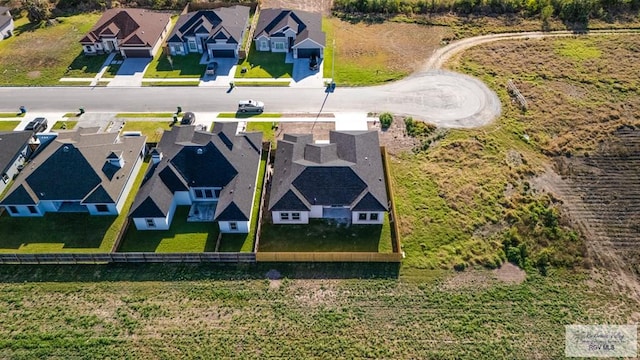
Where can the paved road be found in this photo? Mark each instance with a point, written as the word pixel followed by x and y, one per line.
pixel 443 98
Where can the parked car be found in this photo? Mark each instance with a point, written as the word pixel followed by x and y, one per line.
pixel 250 106
pixel 212 68
pixel 37 125
pixel 188 118
pixel 313 62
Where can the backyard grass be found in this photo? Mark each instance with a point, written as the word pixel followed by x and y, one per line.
pixel 153 130
pixel 64 232
pixel 40 54
pixel 182 236
pixel 264 64
pixel 187 66
pixel 322 236
pixel 240 115
pixel 267 128
pixel 64 125
pixel 245 242
pixel 8 125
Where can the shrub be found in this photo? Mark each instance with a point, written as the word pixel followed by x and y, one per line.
pixel 385 120
pixel 418 128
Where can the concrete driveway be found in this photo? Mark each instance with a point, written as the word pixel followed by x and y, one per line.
pixel 303 77
pixel 224 75
pixel 130 73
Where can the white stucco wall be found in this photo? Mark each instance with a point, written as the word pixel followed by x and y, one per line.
pixel 355 215
pixel 141 224
pixel 7 30
pixel 243 227
pixel 316 212
pixel 23 211
pixel 113 210
pixel 13 169
pixel 277 219
pixel 182 198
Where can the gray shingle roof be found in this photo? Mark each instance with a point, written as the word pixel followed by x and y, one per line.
pixel 307 25
pixel 11 144
pixel 348 173
pixel 221 23
pixel 225 160
pixel 71 168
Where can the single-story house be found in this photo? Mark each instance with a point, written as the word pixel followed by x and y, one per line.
pixel 218 32
pixel 14 150
pixel 215 173
pixel 132 32
pixel 77 171
pixel 295 31
pixel 342 180
pixel 6 23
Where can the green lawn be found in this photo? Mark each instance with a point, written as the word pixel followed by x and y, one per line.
pixel 64 125
pixel 11 115
pixel 327 61
pixel 267 128
pixel 153 130
pixel 64 232
pixel 8 125
pixel 84 66
pixel 240 115
pixel 242 242
pixel 187 66
pixel 321 236
pixel 182 236
pixel 145 115
pixel 40 54
pixel 264 64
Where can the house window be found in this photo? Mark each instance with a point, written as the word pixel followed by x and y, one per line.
pixel 362 216
pixel 233 226
pixel 32 209
pixel 5 178
pixel 208 194
pixel 373 216
pixel 198 193
pixel 88 48
pixel 295 216
pixel 150 223
pixel 13 209
pixel 278 45
pixel 192 45
pixel 284 216
pixel 102 208
pixel 217 192
pixel 264 45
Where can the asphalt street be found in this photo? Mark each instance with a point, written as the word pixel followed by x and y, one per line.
pixel 444 98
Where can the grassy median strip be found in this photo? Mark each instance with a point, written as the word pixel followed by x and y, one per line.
pixel 8 125
pixel 144 115
pixel 262 83
pixel 248 115
pixel 11 115
pixel 171 83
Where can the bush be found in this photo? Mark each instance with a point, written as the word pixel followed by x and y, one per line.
pixel 385 120
pixel 418 128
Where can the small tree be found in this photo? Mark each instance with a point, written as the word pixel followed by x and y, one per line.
pixel 385 120
pixel 37 10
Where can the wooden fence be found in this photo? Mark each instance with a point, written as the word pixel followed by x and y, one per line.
pixel 393 215
pixel 327 257
pixel 133 257
pixel 265 181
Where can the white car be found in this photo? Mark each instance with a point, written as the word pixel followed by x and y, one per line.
pixel 250 106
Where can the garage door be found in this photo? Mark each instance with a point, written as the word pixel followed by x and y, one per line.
pixel 305 53
pixel 223 53
pixel 136 53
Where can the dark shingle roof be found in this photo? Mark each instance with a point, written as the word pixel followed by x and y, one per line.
pixel 132 27
pixel 19 196
pixel 11 144
pixel 5 19
pixel 350 173
pixel 70 167
pixel 202 159
pixel 221 23
pixel 307 25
